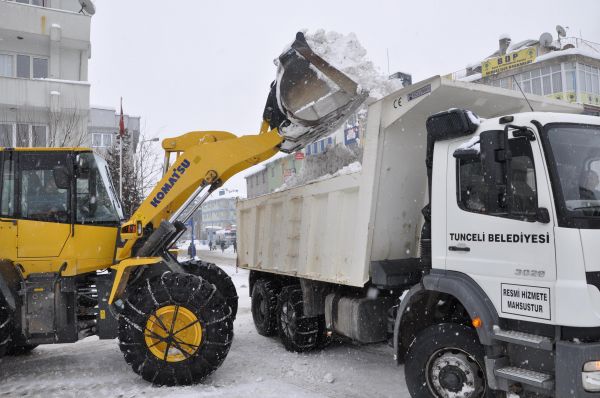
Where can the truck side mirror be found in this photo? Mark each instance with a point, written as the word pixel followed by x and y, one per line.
pixel 62 177
pixel 543 215
pixel 469 151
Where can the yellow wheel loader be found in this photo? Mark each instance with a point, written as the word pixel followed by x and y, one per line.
pixel 71 267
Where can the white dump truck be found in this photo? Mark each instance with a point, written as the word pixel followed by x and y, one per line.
pixel 470 239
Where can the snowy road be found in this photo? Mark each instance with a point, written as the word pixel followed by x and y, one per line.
pixel 256 366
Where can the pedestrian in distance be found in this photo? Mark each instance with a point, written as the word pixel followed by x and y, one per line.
pixel 222 247
pixel 210 245
pixel 235 246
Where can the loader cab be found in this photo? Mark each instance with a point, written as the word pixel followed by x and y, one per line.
pixel 52 200
pixel 58 186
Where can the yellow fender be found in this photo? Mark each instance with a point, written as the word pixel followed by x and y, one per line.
pixel 123 269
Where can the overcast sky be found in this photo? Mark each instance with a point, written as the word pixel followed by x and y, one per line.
pixel 186 65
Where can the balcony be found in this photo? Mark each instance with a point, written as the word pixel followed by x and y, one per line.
pixel 43 93
pixel 36 23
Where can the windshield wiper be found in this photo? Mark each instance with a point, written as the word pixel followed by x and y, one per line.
pixel 586 207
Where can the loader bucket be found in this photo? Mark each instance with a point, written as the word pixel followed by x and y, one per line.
pixel 315 97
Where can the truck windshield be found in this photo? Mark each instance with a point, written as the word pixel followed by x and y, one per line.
pixel 576 156
pixel 97 202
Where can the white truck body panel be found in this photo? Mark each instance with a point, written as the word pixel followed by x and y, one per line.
pixel 331 230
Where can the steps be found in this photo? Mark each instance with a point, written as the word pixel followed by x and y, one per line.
pixel 524 339
pixel 525 376
pixel 512 374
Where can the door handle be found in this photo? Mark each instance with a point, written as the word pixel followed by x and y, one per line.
pixel 459 248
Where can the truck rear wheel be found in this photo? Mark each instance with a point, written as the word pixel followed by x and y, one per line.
pixel 217 277
pixel 264 306
pixel 297 332
pixel 19 349
pixel 175 329
pixel 446 360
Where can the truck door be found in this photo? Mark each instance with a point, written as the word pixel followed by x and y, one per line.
pixel 497 239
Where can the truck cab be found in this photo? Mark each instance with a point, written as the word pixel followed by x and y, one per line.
pixel 524 228
pixel 515 213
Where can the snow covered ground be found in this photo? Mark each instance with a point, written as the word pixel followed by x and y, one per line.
pixel 256 366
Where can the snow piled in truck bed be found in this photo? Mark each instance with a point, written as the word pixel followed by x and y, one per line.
pixel 347 54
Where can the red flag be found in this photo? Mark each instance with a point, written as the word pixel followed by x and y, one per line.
pixel 121 122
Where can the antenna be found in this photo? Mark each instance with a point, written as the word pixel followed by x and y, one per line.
pixel 562 32
pixel 546 40
pixel 387 50
pixel 522 92
pixel 87 7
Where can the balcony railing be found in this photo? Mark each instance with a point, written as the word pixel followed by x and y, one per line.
pixel 43 93
pixel 31 21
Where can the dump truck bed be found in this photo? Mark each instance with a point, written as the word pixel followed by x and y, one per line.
pixel 332 230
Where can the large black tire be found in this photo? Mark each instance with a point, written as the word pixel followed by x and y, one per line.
pixel 217 277
pixel 15 348
pixel 297 332
pixel 264 306
pixel 187 294
pixel 446 360
pixel 6 326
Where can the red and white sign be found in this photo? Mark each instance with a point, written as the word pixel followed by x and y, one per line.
pixel 299 155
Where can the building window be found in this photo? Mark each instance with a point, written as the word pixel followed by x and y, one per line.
pixel 38 136
pixel 544 81
pixel 588 79
pixel 24 66
pixel 40 68
pixel 22 135
pixel 40 3
pixel 6 135
pixel 102 140
pixel 6 65
pixel 571 77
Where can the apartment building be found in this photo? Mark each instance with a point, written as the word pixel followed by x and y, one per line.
pixel 44 89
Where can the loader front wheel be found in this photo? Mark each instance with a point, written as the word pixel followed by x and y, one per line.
pixel 6 320
pixel 175 329
pixel 215 275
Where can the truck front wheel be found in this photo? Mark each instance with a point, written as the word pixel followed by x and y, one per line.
pixel 446 360
pixel 175 329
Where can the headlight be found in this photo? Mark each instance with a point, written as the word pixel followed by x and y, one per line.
pixel 590 376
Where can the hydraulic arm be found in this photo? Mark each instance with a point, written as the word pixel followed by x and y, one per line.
pixel 302 106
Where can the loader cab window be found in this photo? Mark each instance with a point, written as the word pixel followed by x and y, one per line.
pixel 40 197
pixel 475 195
pixel 96 202
pixel 8 187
